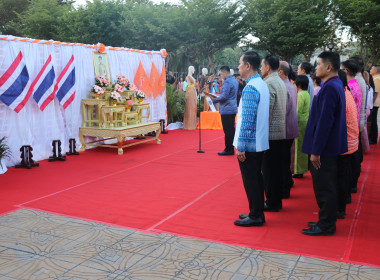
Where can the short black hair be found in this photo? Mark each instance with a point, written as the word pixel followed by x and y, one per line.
pixel 316 79
pixel 360 63
pixel 332 58
pixel 343 77
pixel 253 59
pixel 306 66
pixel 273 61
pixel 292 75
pixel 352 67
pixel 302 81
pixel 225 68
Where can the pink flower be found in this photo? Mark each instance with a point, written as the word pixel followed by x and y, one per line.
pixel 133 87
pixel 130 102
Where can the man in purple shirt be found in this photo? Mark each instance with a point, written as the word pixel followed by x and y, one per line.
pixel 325 139
pixel 291 127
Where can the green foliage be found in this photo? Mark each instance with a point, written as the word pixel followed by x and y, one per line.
pixel 211 25
pixel 8 14
pixel 42 19
pixel 98 21
pixel 288 27
pixel 363 19
pixel 4 150
pixel 176 104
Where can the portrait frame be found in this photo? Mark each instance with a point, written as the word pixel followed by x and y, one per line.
pixel 101 66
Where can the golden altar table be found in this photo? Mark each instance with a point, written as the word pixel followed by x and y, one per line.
pixel 120 133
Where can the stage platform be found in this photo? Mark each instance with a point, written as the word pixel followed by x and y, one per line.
pixel 120 133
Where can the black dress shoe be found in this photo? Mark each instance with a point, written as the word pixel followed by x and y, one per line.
pixel 224 153
pixel 317 231
pixel 312 224
pixel 248 222
pixel 285 195
pixel 348 200
pixel 340 215
pixel 354 190
pixel 297 176
pixel 268 208
pixel 243 216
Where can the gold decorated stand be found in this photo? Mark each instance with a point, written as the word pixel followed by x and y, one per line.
pixel 102 120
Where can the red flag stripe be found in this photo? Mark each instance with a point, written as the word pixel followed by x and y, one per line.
pixel 11 69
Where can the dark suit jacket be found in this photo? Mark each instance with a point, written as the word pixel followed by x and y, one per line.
pixel 326 131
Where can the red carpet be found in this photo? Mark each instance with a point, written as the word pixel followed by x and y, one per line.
pixel 171 188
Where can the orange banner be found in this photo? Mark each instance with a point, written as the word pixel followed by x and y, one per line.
pixel 154 81
pixel 141 80
pixel 162 81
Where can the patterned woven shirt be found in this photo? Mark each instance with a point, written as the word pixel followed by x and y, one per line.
pixel 278 96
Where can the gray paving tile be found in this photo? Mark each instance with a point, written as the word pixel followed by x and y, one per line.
pixel 37 245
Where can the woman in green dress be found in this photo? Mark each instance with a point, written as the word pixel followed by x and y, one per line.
pixel 303 105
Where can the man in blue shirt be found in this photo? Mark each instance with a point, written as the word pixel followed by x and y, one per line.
pixel 228 109
pixel 325 139
pixel 252 137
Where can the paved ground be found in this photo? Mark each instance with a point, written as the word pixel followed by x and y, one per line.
pixel 36 246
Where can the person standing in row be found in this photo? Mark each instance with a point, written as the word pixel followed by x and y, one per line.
pixel 303 104
pixel 291 128
pixel 251 137
pixel 228 109
pixel 305 69
pixel 272 162
pixel 375 73
pixel 325 139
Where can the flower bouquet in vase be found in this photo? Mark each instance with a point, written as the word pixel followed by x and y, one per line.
pixel 101 82
pixel 121 83
pixel 128 105
pixel 115 97
pixel 97 90
pixel 140 95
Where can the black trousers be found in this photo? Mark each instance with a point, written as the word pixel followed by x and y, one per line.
pixel 253 183
pixel 272 173
pixel 344 180
pixel 287 180
pixel 355 169
pixel 374 130
pixel 228 122
pixel 325 184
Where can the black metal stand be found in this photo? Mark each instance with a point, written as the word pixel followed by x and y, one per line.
pixel 163 131
pixel 72 147
pixel 27 158
pixel 57 155
pixel 200 127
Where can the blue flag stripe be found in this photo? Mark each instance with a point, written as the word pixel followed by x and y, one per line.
pixel 67 85
pixel 15 90
pixel 44 86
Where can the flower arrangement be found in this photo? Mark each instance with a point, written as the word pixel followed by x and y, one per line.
pixel 129 102
pixel 97 89
pixel 122 82
pixel 140 94
pixel 133 87
pixel 118 88
pixel 115 96
pixel 101 81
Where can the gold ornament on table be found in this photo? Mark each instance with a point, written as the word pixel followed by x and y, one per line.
pixel 115 97
pixel 128 105
pixel 140 95
pixel 97 90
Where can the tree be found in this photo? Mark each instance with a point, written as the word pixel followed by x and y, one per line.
pixel 210 26
pixel 288 27
pixel 362 17
pixel 8 13
pixel 98 21
pixel 42 19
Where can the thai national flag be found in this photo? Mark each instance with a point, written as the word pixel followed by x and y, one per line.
pixel 43 84
pixel 65 86
pixel 13 84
